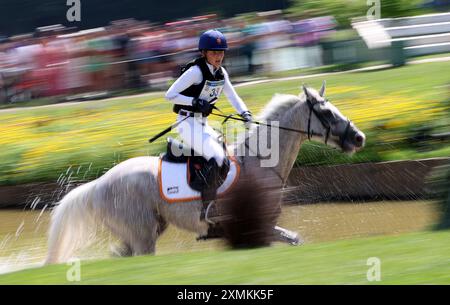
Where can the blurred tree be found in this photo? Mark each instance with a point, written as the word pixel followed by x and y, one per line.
pixel 400 8
pixel 20 16
pixel 344 10
pixel 48 12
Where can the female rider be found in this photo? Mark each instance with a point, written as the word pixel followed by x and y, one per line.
pixel 193 94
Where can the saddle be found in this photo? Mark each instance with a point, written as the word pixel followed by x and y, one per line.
pixel 177 152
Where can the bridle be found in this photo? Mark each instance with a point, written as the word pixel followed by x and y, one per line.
pixel 326 125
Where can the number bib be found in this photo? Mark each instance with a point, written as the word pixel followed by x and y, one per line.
pixel 212 89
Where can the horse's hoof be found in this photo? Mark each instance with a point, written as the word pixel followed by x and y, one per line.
pixel 289 237
pixel 201 238
pixel 214 232
pixel 206 237
pixel 120 251
pixel 297 241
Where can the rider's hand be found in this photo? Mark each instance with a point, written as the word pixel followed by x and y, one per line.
pixel 202 106
pixel 247 116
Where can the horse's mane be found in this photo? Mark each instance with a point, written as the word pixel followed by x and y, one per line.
pixel 279 105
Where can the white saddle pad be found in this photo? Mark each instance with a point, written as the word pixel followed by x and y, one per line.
pixel 173 186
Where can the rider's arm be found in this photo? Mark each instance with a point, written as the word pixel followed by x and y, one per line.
pixel 232 96
pixel 193 76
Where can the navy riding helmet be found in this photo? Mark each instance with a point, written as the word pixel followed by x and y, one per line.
pixel 212 40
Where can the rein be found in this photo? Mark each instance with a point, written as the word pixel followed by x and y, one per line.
pixel 309 132
pixel 232 117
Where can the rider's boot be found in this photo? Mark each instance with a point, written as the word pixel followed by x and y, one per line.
pixel 213 176
pixel 210 176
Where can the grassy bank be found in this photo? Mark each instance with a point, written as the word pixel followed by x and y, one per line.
pixel 84 140
pixel 419 258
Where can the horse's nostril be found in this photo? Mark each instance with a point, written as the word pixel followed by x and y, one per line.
pixel 359 139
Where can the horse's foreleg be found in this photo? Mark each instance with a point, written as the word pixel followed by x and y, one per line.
pixel 162 225
pixel 123 250
pixel 284 235
pixel 136 239
pixel 143 239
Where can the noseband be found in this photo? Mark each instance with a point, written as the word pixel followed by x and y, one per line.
pixel 309 132
pixel 326 125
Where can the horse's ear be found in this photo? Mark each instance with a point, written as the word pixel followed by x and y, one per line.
pixel 305 90
pixel 322 89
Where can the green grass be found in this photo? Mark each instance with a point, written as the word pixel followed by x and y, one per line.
pixel 432 56
pixel 342 67
pixel 43 101
pixel 31 103
pixel 418 258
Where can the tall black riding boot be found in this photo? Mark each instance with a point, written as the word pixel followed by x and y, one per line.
pixel 210 173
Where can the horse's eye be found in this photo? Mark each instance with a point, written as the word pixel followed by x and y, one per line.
pixel 328 114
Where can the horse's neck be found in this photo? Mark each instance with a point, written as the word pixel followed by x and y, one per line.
pixel 288 145
pixel 290 141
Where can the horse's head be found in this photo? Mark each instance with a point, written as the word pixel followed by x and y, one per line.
pixel 327 123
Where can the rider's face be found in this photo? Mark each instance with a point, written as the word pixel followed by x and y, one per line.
pixel 214 58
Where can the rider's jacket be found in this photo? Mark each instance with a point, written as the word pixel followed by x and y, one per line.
pixel 200 80
pixel 210 87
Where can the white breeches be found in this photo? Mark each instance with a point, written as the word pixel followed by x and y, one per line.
pixel 198 135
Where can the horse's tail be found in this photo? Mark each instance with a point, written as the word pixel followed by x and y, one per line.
pixel 72 222
pixel 251 211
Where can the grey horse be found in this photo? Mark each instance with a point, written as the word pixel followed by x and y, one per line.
pixel 126 199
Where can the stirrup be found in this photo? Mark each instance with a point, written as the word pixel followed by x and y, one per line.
pixel 207 219
pixel 214 232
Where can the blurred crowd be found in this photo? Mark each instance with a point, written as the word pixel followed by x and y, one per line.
pixel 131 54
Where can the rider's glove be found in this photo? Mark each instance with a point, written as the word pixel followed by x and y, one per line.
pixel 202 106
pixel 247 116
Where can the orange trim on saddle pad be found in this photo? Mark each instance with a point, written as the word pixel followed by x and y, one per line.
pixel 194 198
pixel 188 172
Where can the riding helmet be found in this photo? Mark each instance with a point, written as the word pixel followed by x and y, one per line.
pixel 212 40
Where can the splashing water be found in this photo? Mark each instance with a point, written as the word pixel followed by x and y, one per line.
pixel 23 233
